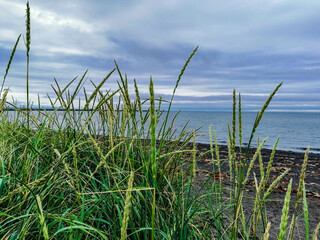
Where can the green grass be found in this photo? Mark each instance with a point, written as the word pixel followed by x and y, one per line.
pixel 61 178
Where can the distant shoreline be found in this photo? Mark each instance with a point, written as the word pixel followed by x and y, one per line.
pixel 144 110
pixel 52 109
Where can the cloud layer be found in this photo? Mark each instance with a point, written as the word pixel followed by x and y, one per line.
pixel 247 45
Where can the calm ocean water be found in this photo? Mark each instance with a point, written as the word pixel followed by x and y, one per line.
pixel 297 130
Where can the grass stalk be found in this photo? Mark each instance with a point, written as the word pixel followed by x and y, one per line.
pixel 300 191
pixel 285 211
pixel 127 205
pixel 316 232
pixel 153 151
pixel 9 63
pixel 305 210
pixel 28 43
pixel 42 219
pixel 266 234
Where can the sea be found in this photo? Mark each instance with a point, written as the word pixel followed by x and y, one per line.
pixel 296 130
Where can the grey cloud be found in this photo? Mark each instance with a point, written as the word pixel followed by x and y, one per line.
pixel 249 46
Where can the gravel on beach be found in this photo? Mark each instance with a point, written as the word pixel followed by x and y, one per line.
pixel 283 160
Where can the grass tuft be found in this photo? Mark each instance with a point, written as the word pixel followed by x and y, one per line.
pixel 117 169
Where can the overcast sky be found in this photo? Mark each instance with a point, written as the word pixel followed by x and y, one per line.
pixel 248 45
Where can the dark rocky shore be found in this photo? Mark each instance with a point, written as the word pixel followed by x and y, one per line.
pixel 283 160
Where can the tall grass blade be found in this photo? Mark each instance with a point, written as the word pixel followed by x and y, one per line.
pixel 174 91
pixel 28 43
pixel 266 234
pixel 127 205
pixel 305 211
pixel 285 211
pixel 300 191
pixel 260 115
pixel 42 219
pixel 240 123
pixel 153 150
pixel 97 89
pixel 3 100
pixel 9 63
pixel 153 123
pixel 255 125
pixel 316 232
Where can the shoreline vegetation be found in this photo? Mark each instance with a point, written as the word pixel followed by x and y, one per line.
pixel 142 179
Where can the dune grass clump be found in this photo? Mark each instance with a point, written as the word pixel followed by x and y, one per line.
pixel 110 169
